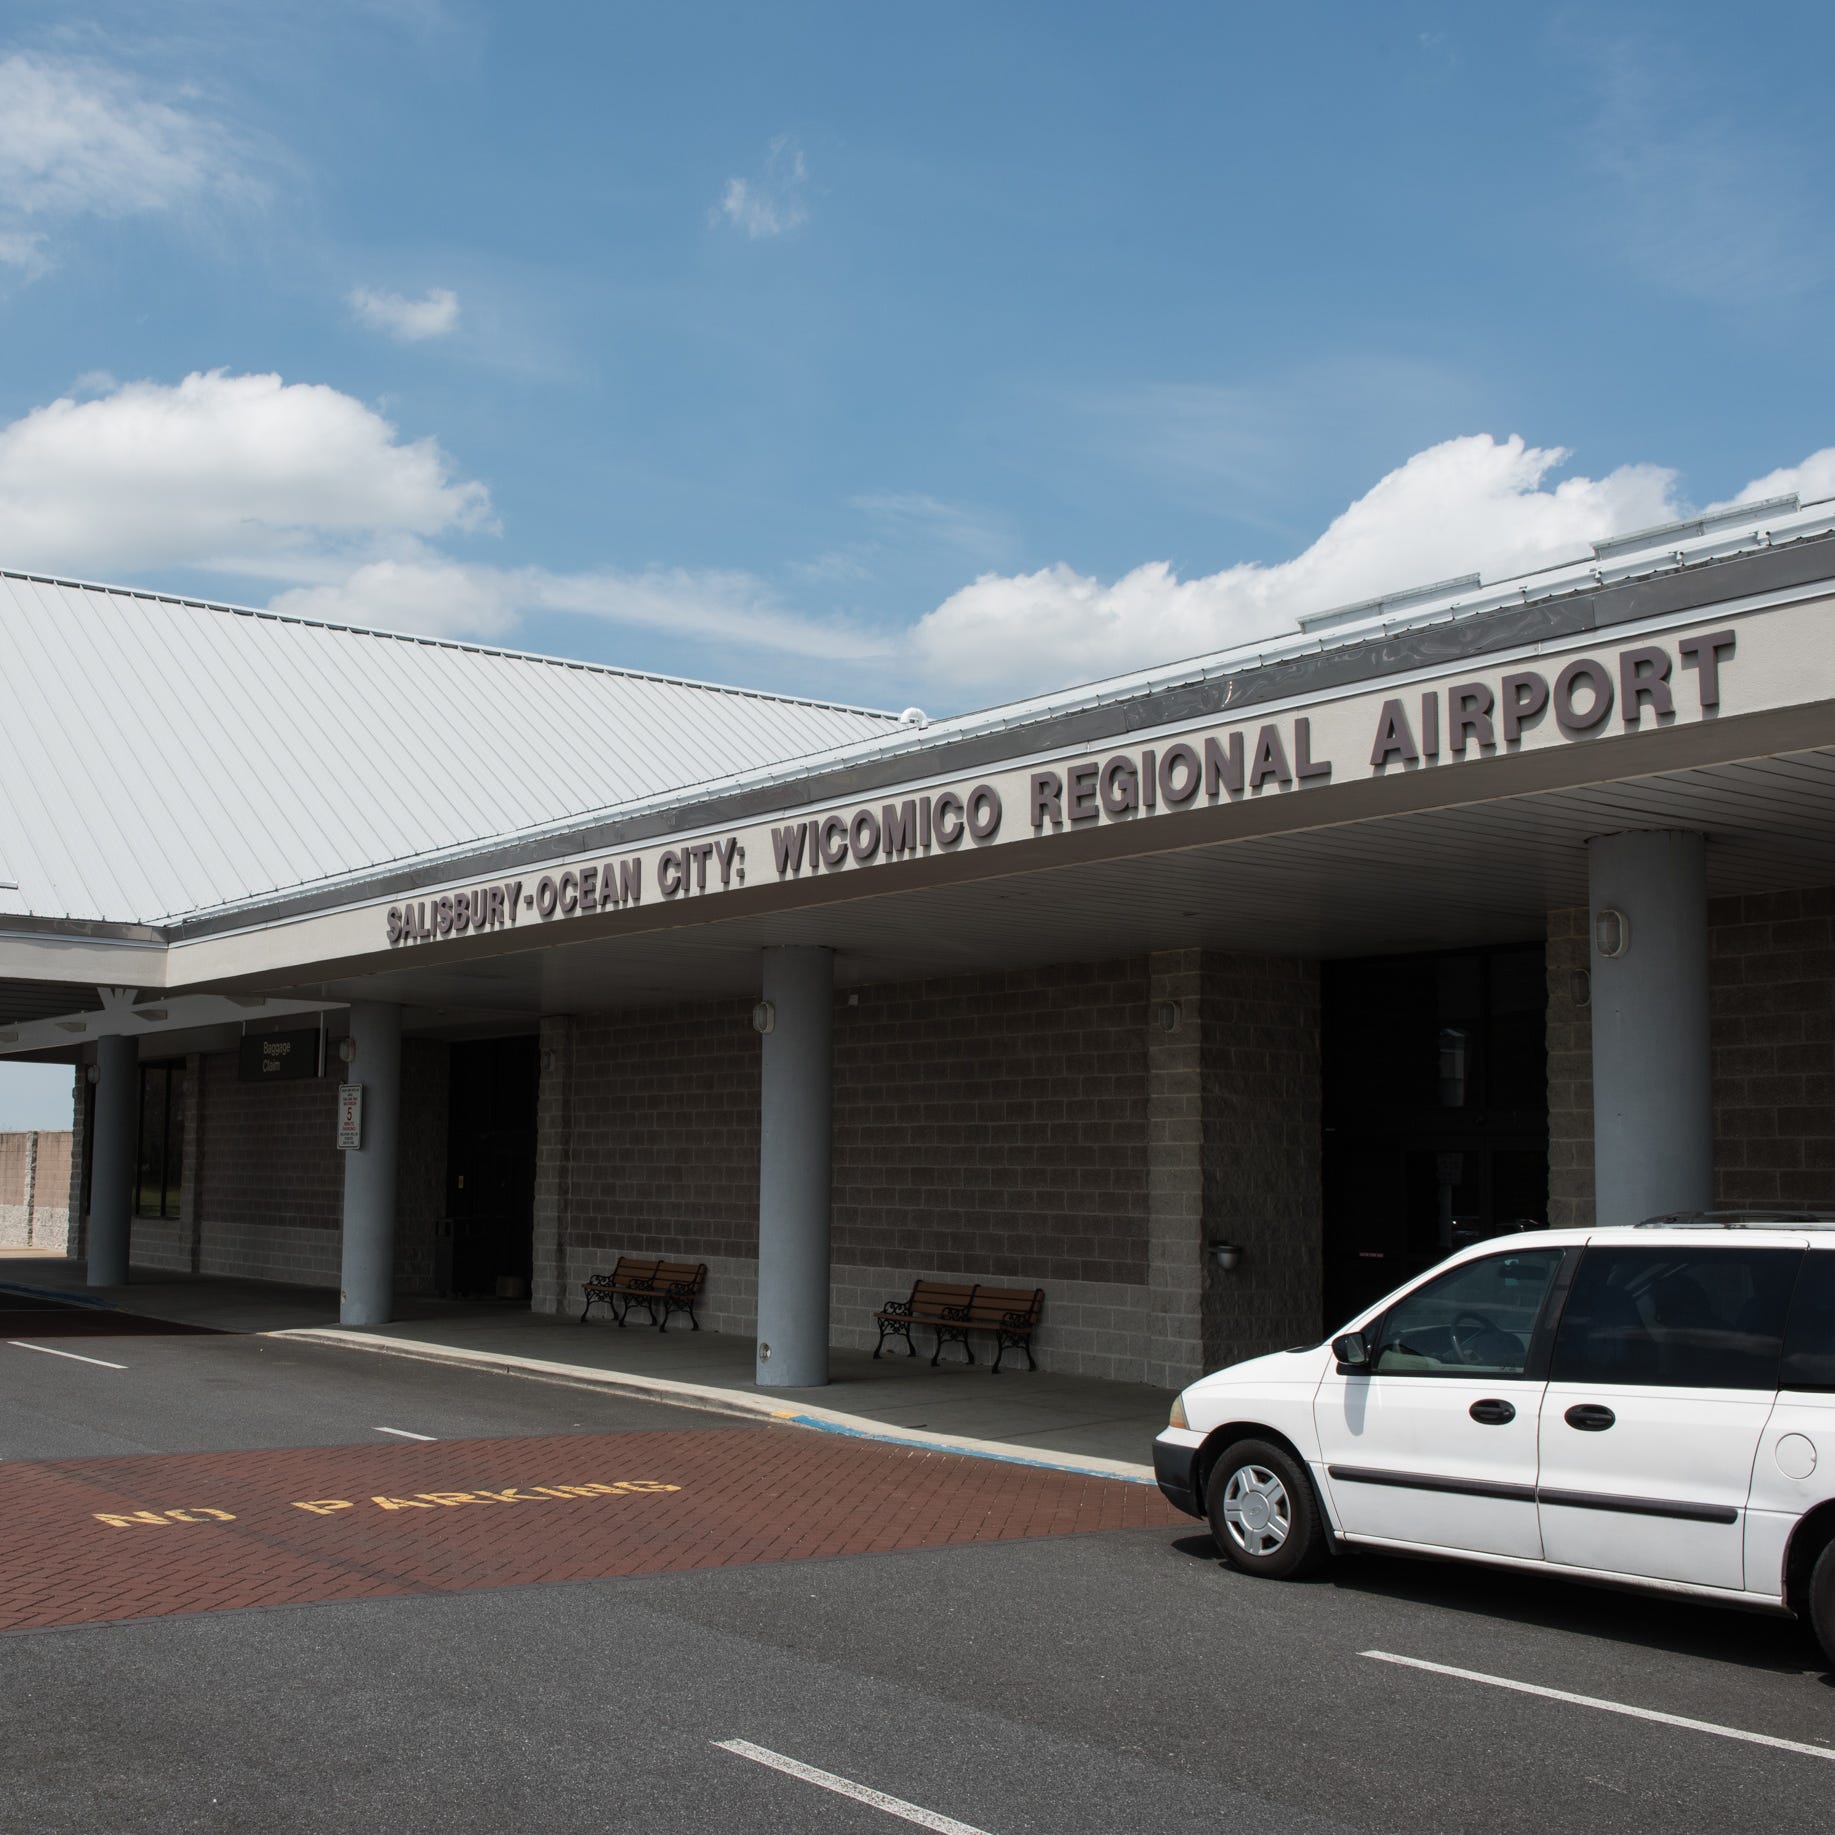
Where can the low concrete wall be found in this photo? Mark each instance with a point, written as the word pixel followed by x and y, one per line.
pixel 35 1190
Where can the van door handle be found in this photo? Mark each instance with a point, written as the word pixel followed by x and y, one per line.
pixel 1589 1417
pixel 1492 1412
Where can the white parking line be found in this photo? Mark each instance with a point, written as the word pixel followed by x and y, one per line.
pixel 74 1356
pixel 402 1433
pixel 845 1787
pixel 1608 1707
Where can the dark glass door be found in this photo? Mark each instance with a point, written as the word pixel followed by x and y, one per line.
pixel 1435 1110
pixel 490 1165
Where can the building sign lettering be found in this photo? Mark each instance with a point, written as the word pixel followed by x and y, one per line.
pixel 1642 687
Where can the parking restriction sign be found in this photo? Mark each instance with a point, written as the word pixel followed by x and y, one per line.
pixel 350 1116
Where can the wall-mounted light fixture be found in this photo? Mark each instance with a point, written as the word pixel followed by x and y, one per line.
pixel 1170 1015
pixel 347 1049
pixel 764 1017
pixel 93 1074
pixel 1580 987
pixel 1225 1254
pixel 1611 933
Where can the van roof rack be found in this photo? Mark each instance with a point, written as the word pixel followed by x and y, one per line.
pixel 1809 1217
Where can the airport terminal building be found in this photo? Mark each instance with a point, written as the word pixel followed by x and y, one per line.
pixel 1213 1000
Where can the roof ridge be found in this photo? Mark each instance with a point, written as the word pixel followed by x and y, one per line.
pixel 442 643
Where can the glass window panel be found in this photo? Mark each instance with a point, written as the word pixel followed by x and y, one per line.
pixel 1476 1320
pixel 150 1161
pixel 1809 1344
pixel 175 1137
pixel 1694 1318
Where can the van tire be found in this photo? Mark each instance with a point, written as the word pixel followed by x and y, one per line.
pixel 1822 1600
pixel 1259 1492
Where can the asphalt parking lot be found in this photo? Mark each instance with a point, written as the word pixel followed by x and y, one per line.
pixel 808 1632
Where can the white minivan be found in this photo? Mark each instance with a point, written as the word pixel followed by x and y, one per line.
pixel 1651 1405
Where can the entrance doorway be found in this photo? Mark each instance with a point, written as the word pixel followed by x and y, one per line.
pixel 1435 1110
pixel 487 1246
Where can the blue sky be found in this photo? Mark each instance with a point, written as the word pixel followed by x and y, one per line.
pixel 744 341
pixel 900 353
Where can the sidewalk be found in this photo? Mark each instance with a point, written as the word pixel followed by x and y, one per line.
pixel 1072 1421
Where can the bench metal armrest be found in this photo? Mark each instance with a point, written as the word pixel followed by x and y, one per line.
pixel 1018 1321
pixel 902 1307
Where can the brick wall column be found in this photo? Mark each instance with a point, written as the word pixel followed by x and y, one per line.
pixel 1570 1070
pixel 31 1181
pixel 1175 1169
pixel 191 1166
pixel 548 1288
pixel 76 1244
pixel 1262 1143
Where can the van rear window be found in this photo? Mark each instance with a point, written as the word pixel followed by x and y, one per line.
pixel 1809 1343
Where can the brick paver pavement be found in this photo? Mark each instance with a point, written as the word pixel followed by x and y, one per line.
pixel 90 1540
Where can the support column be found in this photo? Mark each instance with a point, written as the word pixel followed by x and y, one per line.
pixel 1653 1105
pixel 369 1171
pixel 1175 1168
pixel 111 1166
pixel 549 1290
pixel 795 1128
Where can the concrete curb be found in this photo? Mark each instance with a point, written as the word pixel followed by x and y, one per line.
pixel 723 1401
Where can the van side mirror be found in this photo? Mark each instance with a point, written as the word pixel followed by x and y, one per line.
pixel 1352 1350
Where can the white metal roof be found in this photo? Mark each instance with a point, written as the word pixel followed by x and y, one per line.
pixel 161 755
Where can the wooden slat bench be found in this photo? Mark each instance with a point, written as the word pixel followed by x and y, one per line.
pixel 649 1282
pixel 953 1310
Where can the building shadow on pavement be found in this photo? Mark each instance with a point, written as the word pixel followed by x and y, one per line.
pixel 1676 1626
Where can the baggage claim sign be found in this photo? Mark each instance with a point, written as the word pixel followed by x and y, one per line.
pixel 1589 696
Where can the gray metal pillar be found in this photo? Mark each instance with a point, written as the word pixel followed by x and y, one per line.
pixel 1653 1099
pixel 796 1119
pixel 111 1163
pixel 369 1170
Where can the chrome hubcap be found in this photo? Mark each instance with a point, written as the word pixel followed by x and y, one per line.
pixel 1256 1510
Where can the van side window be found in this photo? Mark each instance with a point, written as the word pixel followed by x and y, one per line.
pixel 1809 1342
pixel 1689 1318
pixel 1476 1320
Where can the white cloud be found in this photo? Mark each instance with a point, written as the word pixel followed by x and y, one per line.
pixel 298 484
pixel 1812 481
pixel 444 598
pixel 432 316
pixel 80 138
pixel 1459 507
pixel 430 596
pixel 774 201
pixel 244 474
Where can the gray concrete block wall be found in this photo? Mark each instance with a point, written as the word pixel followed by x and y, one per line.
pixel 1173 1352
pixel 553 1279
pixel 1771 973
pixel 1261 1098
pixel 1089 1328
pixel 1570 1070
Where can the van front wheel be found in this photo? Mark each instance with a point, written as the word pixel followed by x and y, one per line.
pixel 1264 1514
